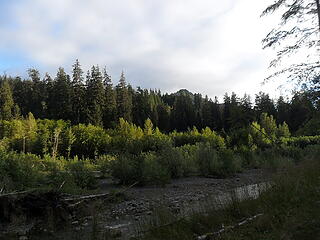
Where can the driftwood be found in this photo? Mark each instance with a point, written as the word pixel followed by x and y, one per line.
pixel 15 193
pixel 208 236
pixel 101 195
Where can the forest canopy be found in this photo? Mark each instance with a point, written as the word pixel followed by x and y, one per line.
pixel 93 99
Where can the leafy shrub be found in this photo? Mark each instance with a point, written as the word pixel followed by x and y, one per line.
pixel 124 168
pixel 103 163
pixel 144 168
pixel 208 160
pixel 20 171
pixel 90 141
pixel 81 171
pixel 272 158
pixel 248 157
pixel 172 159
pixel 301 141
pixel 189 158
pixel 217 163
pixel 231 163
pixel 153 172
pixel 311 151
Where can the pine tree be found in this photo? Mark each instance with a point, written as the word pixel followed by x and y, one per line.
pixel 226 112
pixel 6 101
pixel 141 109
pixel 207 114
pixel 164 112
pixel 60 96
pixel 110 110
pixel 38 94
pixel 283 110
pixel 124 99
pixel 77 94
pixel 183 113
pixel 95 97
pixel 263 104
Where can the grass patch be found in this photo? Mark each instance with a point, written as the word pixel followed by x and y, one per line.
pixel 290 210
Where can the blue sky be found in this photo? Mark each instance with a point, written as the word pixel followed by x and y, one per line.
pixel 206 46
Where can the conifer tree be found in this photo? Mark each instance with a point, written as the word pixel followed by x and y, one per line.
pixel 95 97
pixel 60 96
pixel 124 99
pixel 164 112
pixel 6 101
pixel 38 94
pixel 110 110
pixel 207 114
pixel 264 104
pixel 283 110
pixel 77 94
pixel 226 112
pixel 141 109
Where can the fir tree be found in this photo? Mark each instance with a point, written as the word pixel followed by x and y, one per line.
pixel 77 94
pixel 60 96
pixel 6 101
pixel 124 99
pixel 95 97
pixel 110 110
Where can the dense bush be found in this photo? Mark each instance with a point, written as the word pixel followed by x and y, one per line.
pixel 193 136
pixel 103 163
pixel 89 141
pixel 82 173
pixel 301 141
pixel 217 163
pixel 20 171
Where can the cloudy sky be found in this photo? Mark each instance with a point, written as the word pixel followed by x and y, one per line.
pixel 206 46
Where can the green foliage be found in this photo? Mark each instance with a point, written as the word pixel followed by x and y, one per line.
pixel 81 171
pixel 104 163
pixel 207 159
pixel 311 127
pixel 126 168
pixel 259 135
pixel 172 159
pixel 20 171
pixel 89 141
pixel 132 154
pixel 193 137
pixel 301 141
pixel 153 172
pixel 217 163
pixel 283 130
pixel 268 123
pixel 6 101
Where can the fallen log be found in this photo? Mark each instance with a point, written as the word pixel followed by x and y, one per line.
pixel 209 236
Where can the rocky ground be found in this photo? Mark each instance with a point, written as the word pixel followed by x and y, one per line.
pixel 124 211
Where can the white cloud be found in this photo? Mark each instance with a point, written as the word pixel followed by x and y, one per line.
pixel 206 46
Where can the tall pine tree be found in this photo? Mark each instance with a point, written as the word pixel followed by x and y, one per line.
pixel 77 94
pixel 124 100
pixel 95 97
pixel 110 110
pixel 6 101
pixel 60 96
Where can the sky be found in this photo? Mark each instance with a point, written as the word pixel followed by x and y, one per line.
pixel 206 46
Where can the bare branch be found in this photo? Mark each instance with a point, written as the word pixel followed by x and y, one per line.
pixel 273 7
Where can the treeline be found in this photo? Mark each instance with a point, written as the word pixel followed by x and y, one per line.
pixel 93 99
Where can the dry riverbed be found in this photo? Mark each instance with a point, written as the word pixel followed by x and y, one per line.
pixel 123 215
